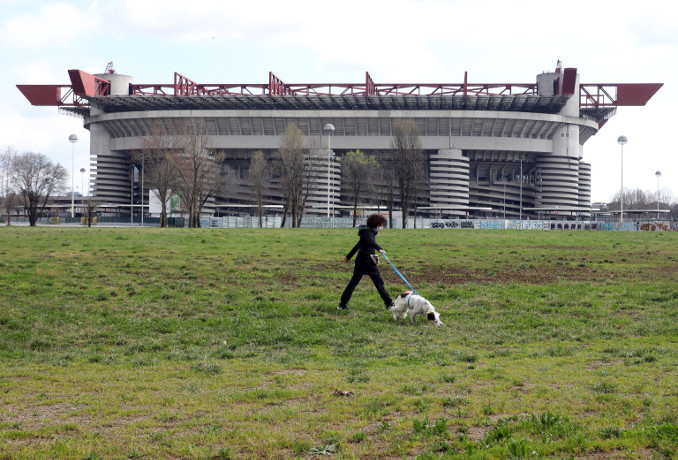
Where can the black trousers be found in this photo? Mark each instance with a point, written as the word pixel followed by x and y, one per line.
pixel 373 272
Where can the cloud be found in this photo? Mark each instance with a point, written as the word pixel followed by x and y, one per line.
pixel 56 24
pixel 42 132
pixel 39 71
pixel 660 32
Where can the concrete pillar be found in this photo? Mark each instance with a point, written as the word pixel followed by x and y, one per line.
pixel 119 83
pixel 449 179
pixel 111 173
pixel 558 171
pixel 584 184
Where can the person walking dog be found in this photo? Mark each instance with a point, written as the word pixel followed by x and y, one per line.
pixel 366 261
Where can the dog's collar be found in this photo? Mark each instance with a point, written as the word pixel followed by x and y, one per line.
pixel 408 300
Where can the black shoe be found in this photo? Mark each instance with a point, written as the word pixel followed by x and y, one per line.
pixel 342 307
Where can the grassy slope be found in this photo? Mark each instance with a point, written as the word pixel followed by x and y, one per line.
pixel 153 343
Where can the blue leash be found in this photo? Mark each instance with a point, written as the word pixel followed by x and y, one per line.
pixel 398 272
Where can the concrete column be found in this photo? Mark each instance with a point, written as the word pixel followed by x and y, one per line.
pixel 317 199
pixel 449 179
pixel 111 173
pixel 558 171
pixel 584 184
pixel 119 83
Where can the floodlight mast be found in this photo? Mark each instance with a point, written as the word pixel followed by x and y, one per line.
pixel 658 174
pixel 73 139
pixel 622 141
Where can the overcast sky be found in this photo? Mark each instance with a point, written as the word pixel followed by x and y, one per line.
pixel 397 41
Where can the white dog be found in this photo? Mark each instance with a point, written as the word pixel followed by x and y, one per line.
pixel 409 302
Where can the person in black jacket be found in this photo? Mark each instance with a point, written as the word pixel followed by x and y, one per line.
pixel 364 262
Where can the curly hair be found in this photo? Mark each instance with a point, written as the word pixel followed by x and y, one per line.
pixel 375 220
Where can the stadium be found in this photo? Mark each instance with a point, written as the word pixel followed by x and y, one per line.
pixel 492 150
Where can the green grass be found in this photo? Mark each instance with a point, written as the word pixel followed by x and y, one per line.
pixel 214 344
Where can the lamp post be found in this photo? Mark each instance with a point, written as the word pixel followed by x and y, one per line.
pixel 658 174
pixel 329 129
pixel 131 194
pixel 82 175
pixel 82 189
pixel 143 158
pixel 622 140
pixel 522 157
pixel 504 180
pixel 73 139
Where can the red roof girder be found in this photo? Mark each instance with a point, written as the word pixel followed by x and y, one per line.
pixel 616 94
pixel 52 95
pixel 86 84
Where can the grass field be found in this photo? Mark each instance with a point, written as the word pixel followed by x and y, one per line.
pixel 216 344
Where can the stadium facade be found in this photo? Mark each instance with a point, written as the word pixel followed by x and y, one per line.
pixel 505 150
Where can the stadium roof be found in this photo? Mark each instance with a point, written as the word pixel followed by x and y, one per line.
pixel 520 103
pixel 596 100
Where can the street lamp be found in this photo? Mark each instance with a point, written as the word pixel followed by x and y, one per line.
pixel 131 194
pixel 658 174
pixel 522 157
pixel 82 189
pixel 143 158
pixel 82 175
pixel 622 140
pixel 329 129
pixel 73 139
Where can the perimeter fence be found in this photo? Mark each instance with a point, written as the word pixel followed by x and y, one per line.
pixel 497 224
pixel 347 222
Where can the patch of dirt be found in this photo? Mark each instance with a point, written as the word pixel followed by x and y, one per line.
pixel 566 248
pixel 450 275
pixel 476 433
pixel 455 275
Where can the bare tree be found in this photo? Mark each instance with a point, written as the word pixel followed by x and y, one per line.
pixel 314 162
pixel 36 180
pixel 198 168
pixel 633 199
pixel 664 197
pixel 8 198
pixel 408 162
pixel 298 169
pixel 420 185
pixel 160 172
pixel 258 176
pixel 358 172
pixel 9 201
pixel 91 206
pixel 290 168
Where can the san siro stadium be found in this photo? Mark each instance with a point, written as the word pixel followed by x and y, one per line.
pixel 492 150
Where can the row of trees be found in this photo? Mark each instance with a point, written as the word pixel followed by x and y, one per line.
pixel 641 199
pixel 401 173
pixel 300 169
pixel 179 158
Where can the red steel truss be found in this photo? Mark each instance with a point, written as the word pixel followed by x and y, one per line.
pixel 85 86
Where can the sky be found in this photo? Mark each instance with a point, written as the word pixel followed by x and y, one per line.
pixel 397 41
